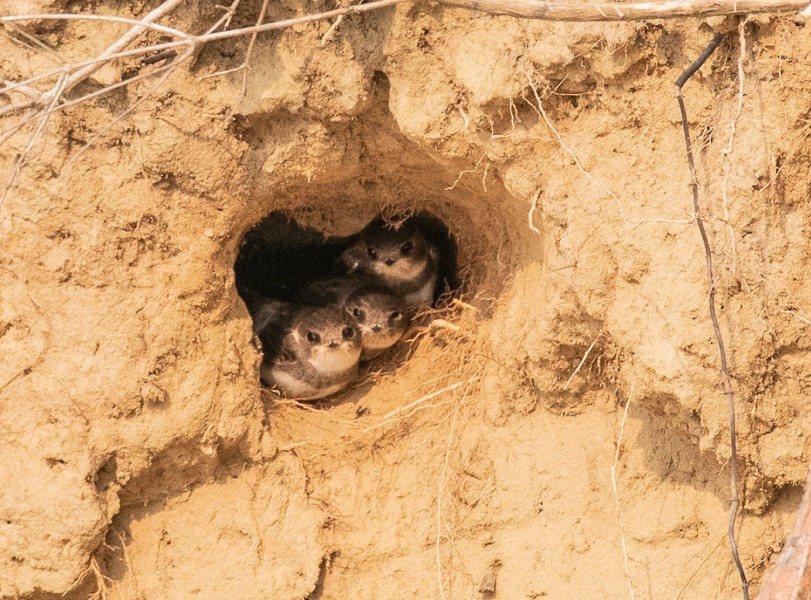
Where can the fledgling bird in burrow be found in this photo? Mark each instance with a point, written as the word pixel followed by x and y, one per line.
pixel 379 314
pixel 402 259
pixel 309 351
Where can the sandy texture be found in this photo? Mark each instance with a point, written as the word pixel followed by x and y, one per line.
pixel 475 461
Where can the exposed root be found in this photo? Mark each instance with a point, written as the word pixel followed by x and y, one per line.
pixel 616 493
pixel 728 150
pixel 466 171
pixel 725 377
pixel 538 107
pixel 582 362
pixel 530 216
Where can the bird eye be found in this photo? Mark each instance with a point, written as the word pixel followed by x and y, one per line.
pixel 348 333
pixel 406 248
pixel 395 316
pixel 313 337
pixel 357 313
pixel 371 252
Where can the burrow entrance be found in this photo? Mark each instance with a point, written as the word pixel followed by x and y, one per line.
pixel 301 221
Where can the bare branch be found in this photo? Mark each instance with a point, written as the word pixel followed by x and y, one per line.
pixel 140 23
pixel 18 164
pixel 167 70
pixel 632 11
pixel 87 68
pixel 247 63
pixel 32 42
pixel 71 77
pixel 124 40
pixel 189 41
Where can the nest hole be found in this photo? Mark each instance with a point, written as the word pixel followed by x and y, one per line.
pixel 327 188
pixel 279 256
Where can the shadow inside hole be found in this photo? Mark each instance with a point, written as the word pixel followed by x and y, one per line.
pixel 279 255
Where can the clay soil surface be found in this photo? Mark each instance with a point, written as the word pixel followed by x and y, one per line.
pixel 479 458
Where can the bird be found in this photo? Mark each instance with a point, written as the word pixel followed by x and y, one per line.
pixel 310 352
pixel 402 259
pixel 379 314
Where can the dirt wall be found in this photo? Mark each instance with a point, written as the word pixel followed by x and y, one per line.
pixel 140 456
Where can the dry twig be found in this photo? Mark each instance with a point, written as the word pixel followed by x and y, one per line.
pixel 189 41
pixel 167 70
pixel 39 105
pixel 69 77
pixel 734 501
pixel 30 42
pixel 246 64
pixel 631 11
pixel 87 70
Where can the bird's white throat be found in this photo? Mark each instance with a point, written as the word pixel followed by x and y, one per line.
pixel 402 270
pixel 332 360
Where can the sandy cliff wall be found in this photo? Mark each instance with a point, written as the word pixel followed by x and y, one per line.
pixel 137 448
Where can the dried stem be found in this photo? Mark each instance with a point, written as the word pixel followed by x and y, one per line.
pixel 166 70
pixel 247 64
pixel 733 464
pixel 70 76
pixel 18 164
pixel 123 41
pixel 597 11
pixel 190 41
pixel 31 42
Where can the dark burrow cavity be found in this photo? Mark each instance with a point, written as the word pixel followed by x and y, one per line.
pixel 375 282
